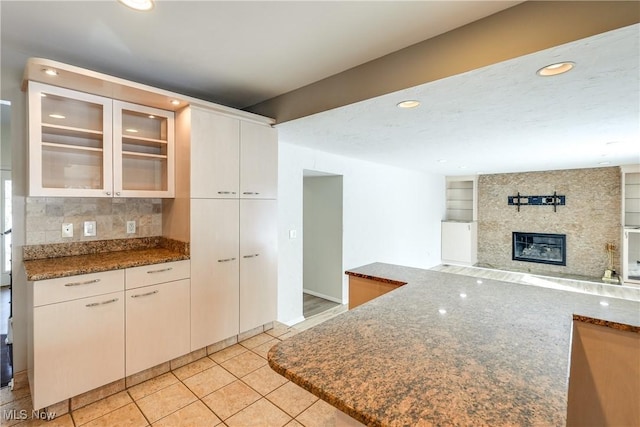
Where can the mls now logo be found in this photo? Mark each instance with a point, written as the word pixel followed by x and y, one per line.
pixel 23 414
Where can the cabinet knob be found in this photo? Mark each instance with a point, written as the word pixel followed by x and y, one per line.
pixel 108 193
pixel 117 193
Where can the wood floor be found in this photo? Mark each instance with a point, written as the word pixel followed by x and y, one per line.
pixel 313 305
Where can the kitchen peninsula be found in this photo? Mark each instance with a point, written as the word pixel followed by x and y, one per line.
pixel 448 349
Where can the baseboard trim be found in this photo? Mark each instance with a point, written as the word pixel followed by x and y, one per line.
pixel 294 321
pixel 319 295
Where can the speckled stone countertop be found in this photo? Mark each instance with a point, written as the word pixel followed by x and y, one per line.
pixel 447 349
pixel 61 260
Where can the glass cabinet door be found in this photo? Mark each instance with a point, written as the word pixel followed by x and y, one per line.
pixel 69 142
pixel 143 151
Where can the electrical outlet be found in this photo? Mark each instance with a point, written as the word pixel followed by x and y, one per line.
pixel 89 228
pixel 131 227
pixel 67 230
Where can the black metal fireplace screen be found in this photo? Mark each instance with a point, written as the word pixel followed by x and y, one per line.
pixel 540 247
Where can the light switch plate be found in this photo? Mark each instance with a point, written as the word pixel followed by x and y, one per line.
pixel 67 230
pixel 89 228
pixel 131 227
pixel 293 234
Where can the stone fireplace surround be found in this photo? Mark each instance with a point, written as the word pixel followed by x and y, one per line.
pixel 590 219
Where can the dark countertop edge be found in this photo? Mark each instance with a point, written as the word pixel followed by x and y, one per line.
pixel 318 392
pixel 600 322
pixel 127 263
pixel 375 278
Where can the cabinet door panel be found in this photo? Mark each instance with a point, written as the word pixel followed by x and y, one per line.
pixel 214 271
pixel 258 161
pixel 258 263
pixel 157 324
pixel 77 346
pixel 70 143
pixel 143 151
pixel 214 155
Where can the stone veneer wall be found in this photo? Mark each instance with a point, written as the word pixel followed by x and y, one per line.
pixel 45 216
pixel 590 218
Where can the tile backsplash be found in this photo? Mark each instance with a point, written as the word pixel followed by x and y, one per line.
pixel 45 216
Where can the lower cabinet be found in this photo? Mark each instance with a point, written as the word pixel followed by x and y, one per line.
pixel 157 324
pixel 89 330
pixel 233 267
pixel 459 242
pixel 75 345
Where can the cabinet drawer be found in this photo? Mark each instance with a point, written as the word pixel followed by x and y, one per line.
pixel 73 287
pixel 157 273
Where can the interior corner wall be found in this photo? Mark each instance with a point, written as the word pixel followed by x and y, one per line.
pixel 590 218
pixel 390 215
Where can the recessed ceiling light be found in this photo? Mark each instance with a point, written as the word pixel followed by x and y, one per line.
pixel 604 303
pixel 175 102
pixel 57 116
pixel 555 69
pixel 50 71
pixel 604 163
pixel 479 282
pixel 412 103
pixel 442 311
pixel 463 295
pixel 143 5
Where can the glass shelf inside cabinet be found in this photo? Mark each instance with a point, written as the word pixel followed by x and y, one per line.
pixel 72 143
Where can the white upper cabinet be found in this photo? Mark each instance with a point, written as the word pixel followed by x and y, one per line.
pixel 232 158
pixel 143 151
pixel 258 161
pixel 215 155
pixel 70 150
pixel 83 145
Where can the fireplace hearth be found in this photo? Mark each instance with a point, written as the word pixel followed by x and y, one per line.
pixel 542 248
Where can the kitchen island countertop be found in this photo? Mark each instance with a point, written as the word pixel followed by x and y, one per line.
pixel 448 349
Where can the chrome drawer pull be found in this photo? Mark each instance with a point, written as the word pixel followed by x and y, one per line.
pixel 95 304
pixel 226 192
pixel 226 260
pixel 159 271
pixel 88 282
pixel 250 192
pixel 144 295
pixel 250 256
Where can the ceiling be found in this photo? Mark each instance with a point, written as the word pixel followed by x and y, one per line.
pixel 500 118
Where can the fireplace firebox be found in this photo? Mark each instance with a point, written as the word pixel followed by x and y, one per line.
pixel 540 247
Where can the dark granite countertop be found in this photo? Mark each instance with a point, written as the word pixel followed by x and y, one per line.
pixel 61 260
pixel 447 349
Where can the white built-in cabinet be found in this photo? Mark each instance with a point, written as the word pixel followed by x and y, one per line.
pixel 630 253
pixel 76 335
pixel 157 301
pixel 233 223
pixel 89 330
pixel 459 230
pixel 84 145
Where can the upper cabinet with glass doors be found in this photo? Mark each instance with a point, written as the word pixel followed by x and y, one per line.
pixel 83 145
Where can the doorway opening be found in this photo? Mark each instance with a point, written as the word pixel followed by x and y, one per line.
pixel 6 192
pixel 322 242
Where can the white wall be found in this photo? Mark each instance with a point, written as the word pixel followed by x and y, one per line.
pixel 389 215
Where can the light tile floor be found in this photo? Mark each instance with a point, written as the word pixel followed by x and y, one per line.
pixel 233 387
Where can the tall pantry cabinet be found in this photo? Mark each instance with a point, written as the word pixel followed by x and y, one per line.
pixel 228 193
